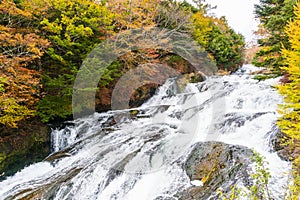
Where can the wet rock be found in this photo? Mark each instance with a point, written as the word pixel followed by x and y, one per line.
pixel 58 155
pixel 223 72
pixel 65 124
pixel 197 77
pixel 48 190
pixel 216 165
pixel 165 198
pixel 280 143
pixel 263 71
pixel 134 112
pixel 109 122
pixel 233 120
pixel 194 77
pixel 142 94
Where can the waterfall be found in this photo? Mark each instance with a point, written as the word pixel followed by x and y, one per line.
pixel 139 153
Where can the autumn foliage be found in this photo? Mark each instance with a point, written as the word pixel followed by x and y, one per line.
pixel 290 122
pixel 43 44
pixel 20 87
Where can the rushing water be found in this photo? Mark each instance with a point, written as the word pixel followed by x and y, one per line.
pixel 139 153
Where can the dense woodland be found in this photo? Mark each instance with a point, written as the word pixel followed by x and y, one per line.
pixel 43 44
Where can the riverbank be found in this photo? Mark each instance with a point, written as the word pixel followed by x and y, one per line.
pixel 22 146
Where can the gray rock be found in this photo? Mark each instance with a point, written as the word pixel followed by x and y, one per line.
pixel 217 165
pixel 280 143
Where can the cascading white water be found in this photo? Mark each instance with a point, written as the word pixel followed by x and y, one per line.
pixel 138 154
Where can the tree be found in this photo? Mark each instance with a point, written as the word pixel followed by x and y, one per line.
pixel 203 7
pixel 219 40
pixel 273 16
pixel 21 48
pixel 74 28
pixel 203 26
pixel 290 122
pixel 131 14
pixel 174 15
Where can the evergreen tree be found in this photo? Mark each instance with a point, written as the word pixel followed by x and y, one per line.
pixel 273 16
pixel 224 45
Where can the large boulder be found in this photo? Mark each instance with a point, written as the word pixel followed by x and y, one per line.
pixel 216 165
pixel 287 148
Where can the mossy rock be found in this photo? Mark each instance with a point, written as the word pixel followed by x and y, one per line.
pixel 217 165
pixel 134 112
pixel 185 79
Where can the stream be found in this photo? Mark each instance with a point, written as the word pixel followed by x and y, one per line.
pixel 138 154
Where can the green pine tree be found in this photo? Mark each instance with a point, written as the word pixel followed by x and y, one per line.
pixel 273 16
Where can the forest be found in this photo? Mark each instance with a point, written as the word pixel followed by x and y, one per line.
pixel 44 43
